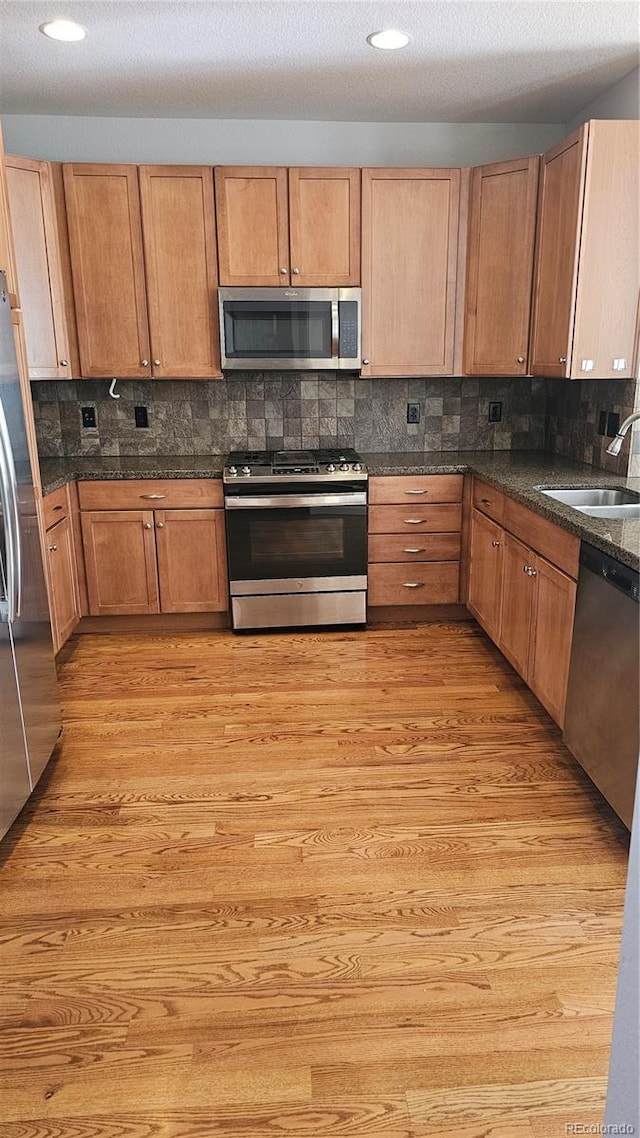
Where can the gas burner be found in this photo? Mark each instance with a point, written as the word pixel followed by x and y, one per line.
pixel 331 464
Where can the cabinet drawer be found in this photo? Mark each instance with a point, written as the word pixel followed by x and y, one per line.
pixel 434 583
pixel 55 507
pixel 151 493
pixel 385 547
pixel 416 488
pixel 415 518
pixel 489 500
pixel 553 542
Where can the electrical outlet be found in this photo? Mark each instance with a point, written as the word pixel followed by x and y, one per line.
pixel 88 416
pixel 413 412
pixel 602 423
pixel 613 424
pixel 141 416
pixel 495 412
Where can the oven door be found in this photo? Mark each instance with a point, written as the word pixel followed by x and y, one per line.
pixel 266 329
pixel 300 542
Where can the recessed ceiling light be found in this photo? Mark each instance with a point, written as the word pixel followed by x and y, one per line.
pixel 64 30
pixel 388 40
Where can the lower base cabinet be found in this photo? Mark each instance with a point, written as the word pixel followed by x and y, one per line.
pixel 152 561
pixel 63 586
pixel 525 603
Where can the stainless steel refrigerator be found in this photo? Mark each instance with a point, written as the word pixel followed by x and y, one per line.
pixel 30 717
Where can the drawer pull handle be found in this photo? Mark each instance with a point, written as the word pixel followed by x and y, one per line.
pixel 414 521
pixel 416 491
pixel 412 585
pixel 56 508
pixel 486 501
pixel 413 550
pixel 153 496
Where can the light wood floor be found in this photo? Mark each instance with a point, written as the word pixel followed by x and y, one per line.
pixel 320 884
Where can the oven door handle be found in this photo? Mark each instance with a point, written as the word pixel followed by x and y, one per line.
pixel 294 501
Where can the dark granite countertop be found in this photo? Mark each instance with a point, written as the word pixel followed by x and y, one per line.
pixel 517 473
pixel 56 472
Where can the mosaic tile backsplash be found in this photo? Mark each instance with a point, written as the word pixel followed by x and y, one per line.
pixel 294 410
pixel 573 410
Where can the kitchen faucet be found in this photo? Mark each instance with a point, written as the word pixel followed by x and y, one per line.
pixel 614 447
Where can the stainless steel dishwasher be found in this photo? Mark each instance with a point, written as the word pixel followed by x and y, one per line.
pixel 602 719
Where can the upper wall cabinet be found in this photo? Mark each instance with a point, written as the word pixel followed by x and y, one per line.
pixel 500 251
pixel 137 321
pixel 278 227
pixel 588 262
pixel 49 319
pixel 410 221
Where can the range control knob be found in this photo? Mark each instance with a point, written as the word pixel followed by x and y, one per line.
pixel 357 466
pixel 330 468
pixel 233 470
pixel 344 466
pixel 246 470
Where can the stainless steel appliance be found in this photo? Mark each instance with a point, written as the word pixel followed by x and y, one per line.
pixel 602 718
pixel 296 537
pixel 30 716
pixel 280 328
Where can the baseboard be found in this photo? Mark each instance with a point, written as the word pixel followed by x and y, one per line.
pixel 403 615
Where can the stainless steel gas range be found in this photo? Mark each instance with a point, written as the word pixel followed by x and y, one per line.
pixel 296 537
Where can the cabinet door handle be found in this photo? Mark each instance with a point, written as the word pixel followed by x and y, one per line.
pixel 562 359
pixel 296 271
pixel 365 362
pixel 153 497
pixel 64 363
pixel 157 363
pixel 416 491
pixel 414 550
pixel 412 584
pixel 160 525
pixel 414 521
pixel 147 525
pixel 283 272
pixel 145 363
pixel 519 359
pixel 53 548
pixel 495 544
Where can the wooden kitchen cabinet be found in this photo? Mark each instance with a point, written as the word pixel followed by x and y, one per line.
pixel 278 227
pixel 500 252
pixel 63 582
pixel 178 224
pixel 47 307
pixel 486 543
pixel 139 560
pixel 522 589
pixel 410 223
pixel 588 259
pixel 139 320
pixel 414 540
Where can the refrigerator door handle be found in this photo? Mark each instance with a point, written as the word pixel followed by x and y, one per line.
pixel 9 495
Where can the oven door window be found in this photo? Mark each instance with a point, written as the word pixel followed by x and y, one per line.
pixel 313 541
pixel 260 329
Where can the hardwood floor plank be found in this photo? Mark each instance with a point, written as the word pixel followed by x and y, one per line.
pixel 319 883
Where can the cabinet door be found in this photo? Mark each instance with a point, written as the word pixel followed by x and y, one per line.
pixel 558 241
pixel 324 226
pixel 609 271
pixel 63 585
pixel 105 237
pixel 192 561
pixel 180 259
pixel 409 257
pixel 485 572
pixel 35 238
pixel 551 637
pixel 517 603
pixel 502 229
pixel 120 561
pixel 253 228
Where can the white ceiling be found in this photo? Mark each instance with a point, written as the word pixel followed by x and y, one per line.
pixel 498 61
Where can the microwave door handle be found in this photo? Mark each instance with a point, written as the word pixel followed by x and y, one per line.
pixel 335 332
pixel 9 498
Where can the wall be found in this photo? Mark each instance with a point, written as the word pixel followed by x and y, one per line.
pixel 293 410
pixel 248 141
pixel 621 101
pixel 573 410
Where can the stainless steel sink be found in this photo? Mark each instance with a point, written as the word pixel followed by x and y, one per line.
pixel 599 496
pixel 630 510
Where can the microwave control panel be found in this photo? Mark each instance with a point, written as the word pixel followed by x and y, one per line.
pixel 348 319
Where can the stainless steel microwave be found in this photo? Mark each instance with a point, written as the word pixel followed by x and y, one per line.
pixel 290 328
